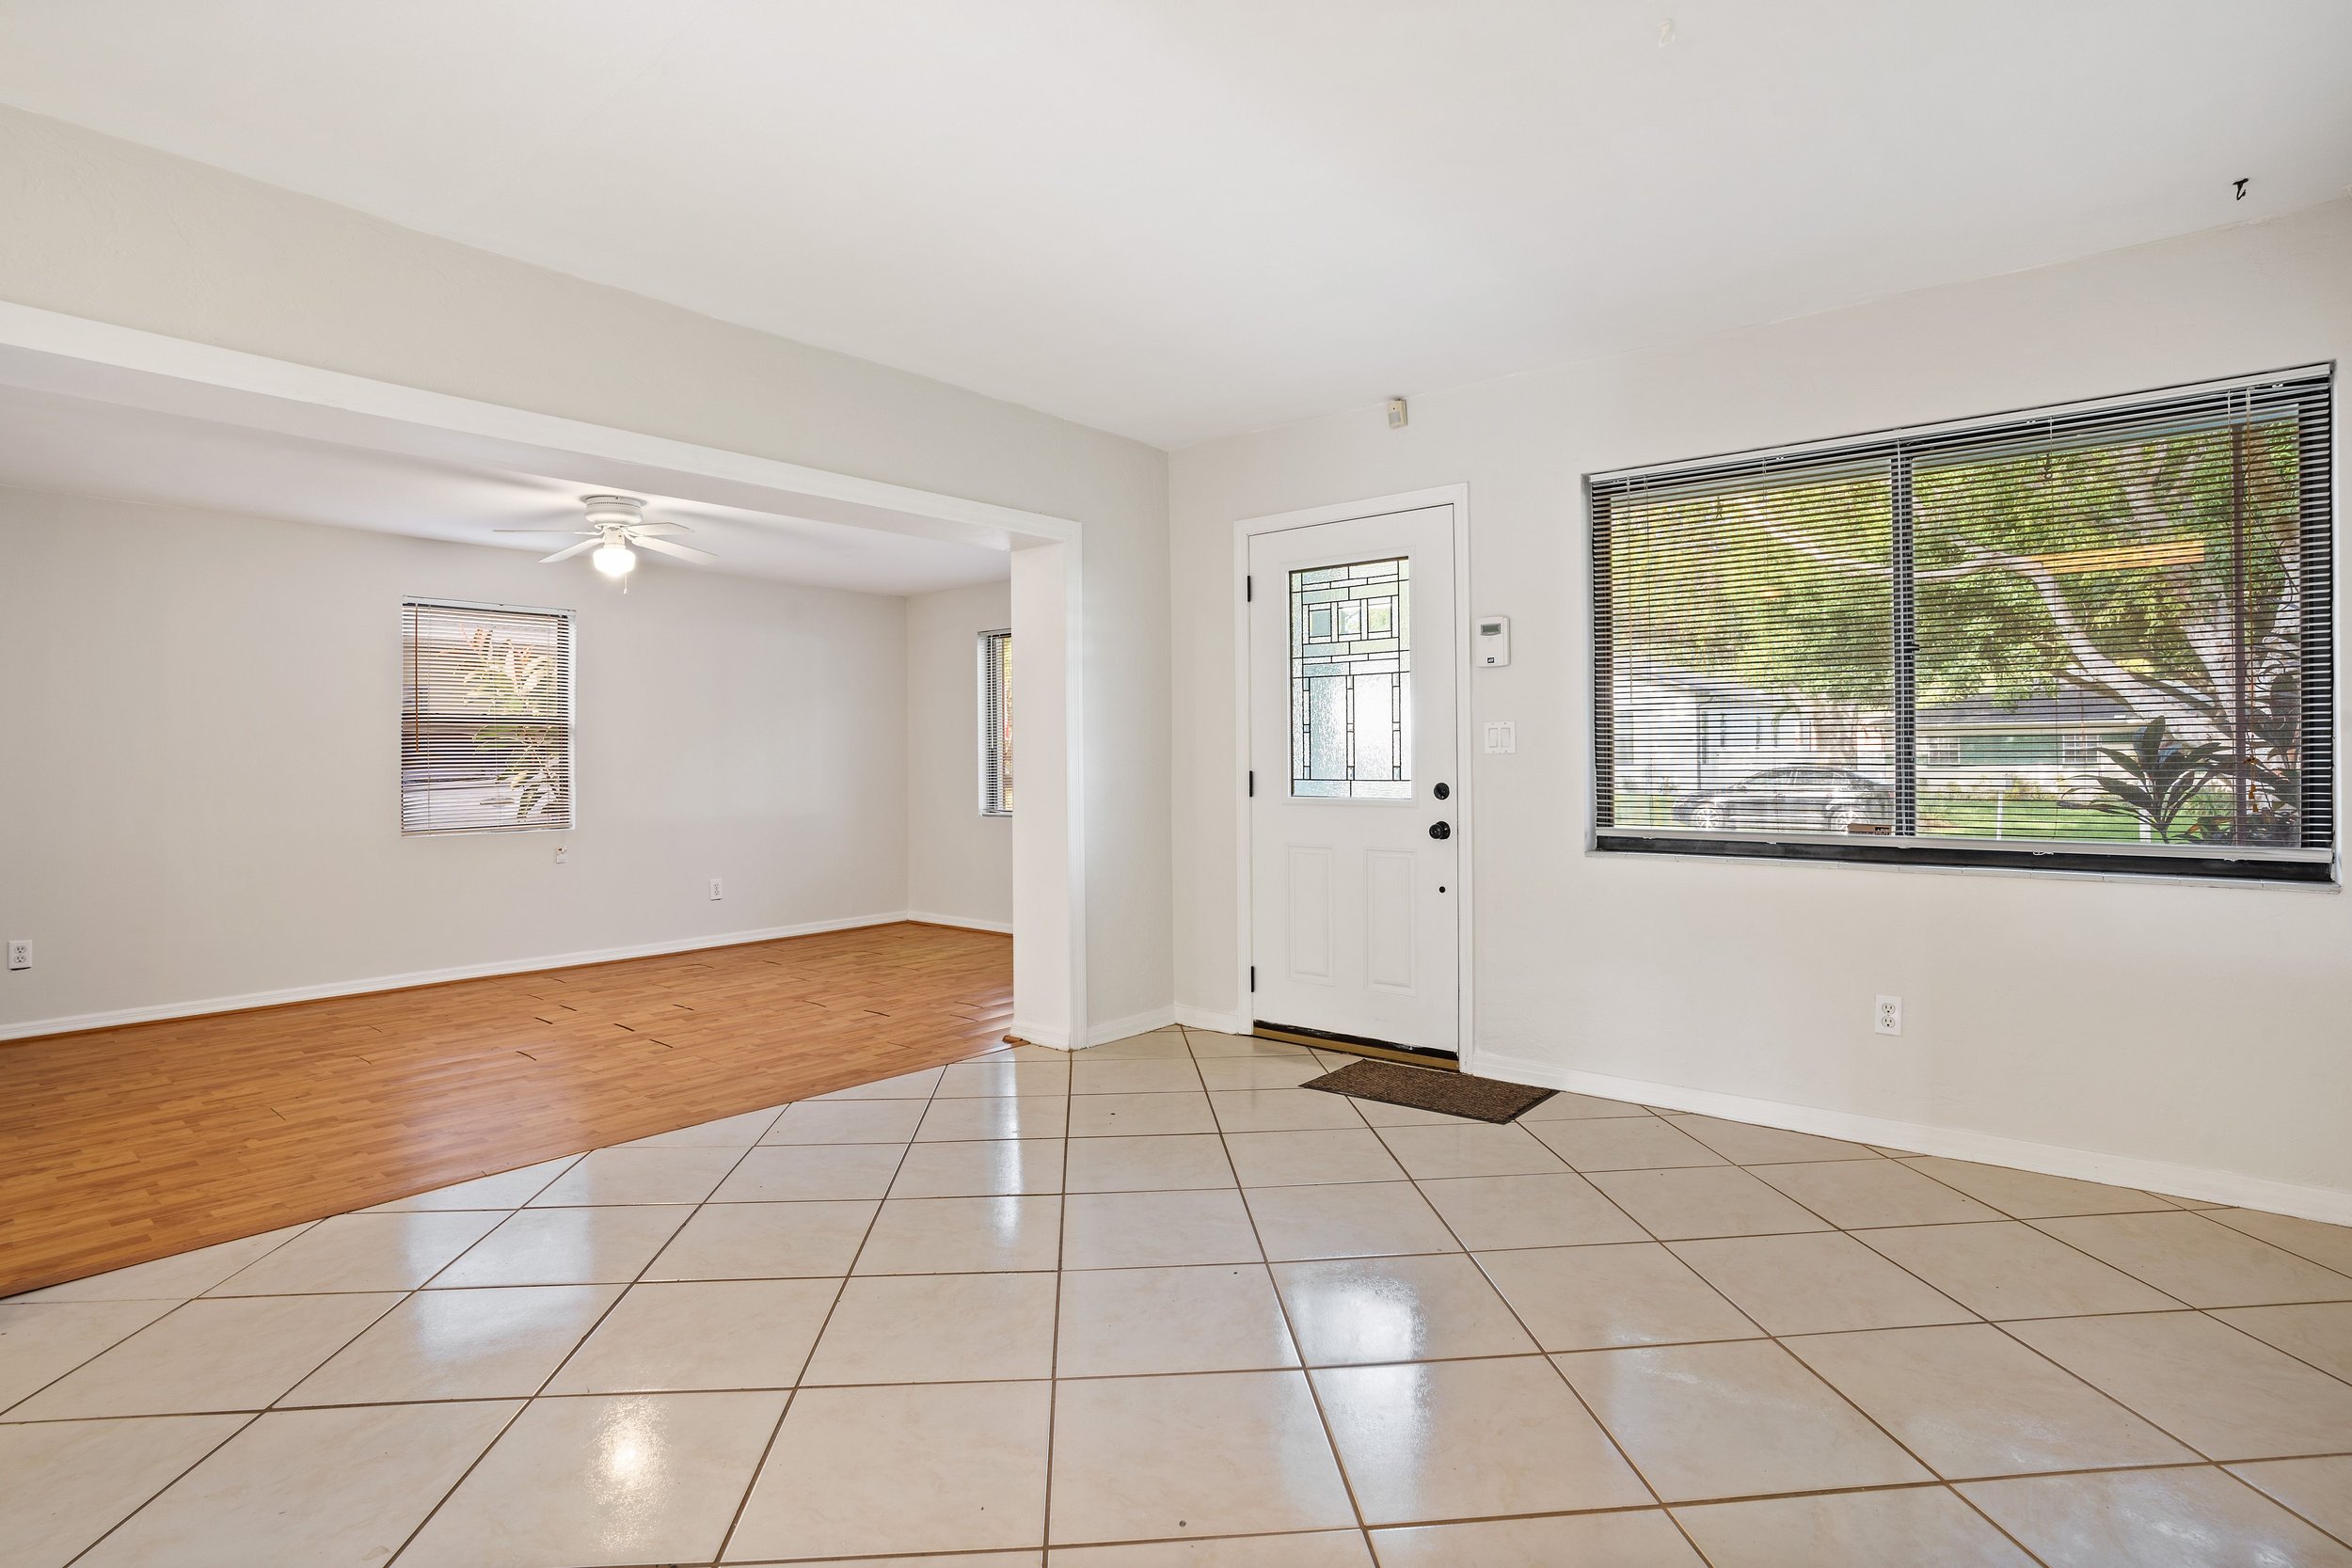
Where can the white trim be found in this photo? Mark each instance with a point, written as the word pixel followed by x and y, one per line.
pixel 31 1027
pixel 296 399
pixel 2329 1205
pixel 1455 497
pixel 1133 1023
pixel 1201 1018
pixel 1074 731
pixel 1096 1033
pixel 970 923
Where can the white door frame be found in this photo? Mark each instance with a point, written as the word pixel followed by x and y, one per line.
pixel 1465 802
pixel 48 351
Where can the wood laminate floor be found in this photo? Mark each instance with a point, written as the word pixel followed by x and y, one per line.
pixel 133 1144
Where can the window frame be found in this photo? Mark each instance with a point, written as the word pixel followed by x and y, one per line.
pixel 995 748
pixel 571 718
pixel 2311 389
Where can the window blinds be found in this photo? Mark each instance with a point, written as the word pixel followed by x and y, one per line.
pixel 2089 638
pixel 485 724
pixel 996 723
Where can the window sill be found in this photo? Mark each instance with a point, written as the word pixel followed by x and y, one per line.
pixel 486 828
pixel 1912 854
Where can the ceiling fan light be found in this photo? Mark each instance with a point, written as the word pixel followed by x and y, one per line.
pixel 614 560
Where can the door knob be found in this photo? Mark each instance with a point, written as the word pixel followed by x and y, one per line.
pixel 1440 829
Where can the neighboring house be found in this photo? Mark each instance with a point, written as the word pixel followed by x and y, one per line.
pixel 2037 745
pixel 1691 733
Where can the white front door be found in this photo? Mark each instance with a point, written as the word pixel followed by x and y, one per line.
pixel 1355 780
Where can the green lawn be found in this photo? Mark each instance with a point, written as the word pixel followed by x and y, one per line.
pixel 2021 816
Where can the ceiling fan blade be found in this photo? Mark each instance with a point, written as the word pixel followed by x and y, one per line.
pixel 568 533
pixel 658 528
pixel 569 552
pixel 684 552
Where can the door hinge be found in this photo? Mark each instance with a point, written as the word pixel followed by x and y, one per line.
pixel 1249 588
pixel 1253 977
pixel 1254 783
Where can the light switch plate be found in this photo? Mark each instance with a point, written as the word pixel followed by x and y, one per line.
pixel 1502 737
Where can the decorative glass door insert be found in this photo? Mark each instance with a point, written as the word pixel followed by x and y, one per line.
pixel 1350 704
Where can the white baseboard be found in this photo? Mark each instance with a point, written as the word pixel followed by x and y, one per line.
pixel 427 977
pixel 1133 1023
pixel 1201 1018
pixel 2328 1204
pixel 970 923
pixel 1055 1037
pixel 1051 1037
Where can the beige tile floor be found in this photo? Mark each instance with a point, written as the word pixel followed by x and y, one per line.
pixel 1156 1307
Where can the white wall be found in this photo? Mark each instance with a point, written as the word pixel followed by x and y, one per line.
pixel 959 863
pixel 2194 1026
pixel 100 229
pixel 1048 951
pixel 200 769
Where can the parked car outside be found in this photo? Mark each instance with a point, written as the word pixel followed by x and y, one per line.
pixel 1805 798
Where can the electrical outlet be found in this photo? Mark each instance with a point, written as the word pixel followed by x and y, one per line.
pixel 20 952
pixel 1887 1018
pixel 715 892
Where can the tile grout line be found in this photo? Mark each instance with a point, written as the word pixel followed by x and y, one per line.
pixel 2209 1313
pixel 1776 1339
pixel 2000 1326
pixel 751 1480
pixel 523 1407
pixel 1052 1341
pixel 30 1394
pixel 1290 1328
pixel 1129 1377
pixel 254 1417
pixel 176 1477
pixel 1769 1337
pixel 2342 1538
pixel 1965 1501
pixel 1549 1359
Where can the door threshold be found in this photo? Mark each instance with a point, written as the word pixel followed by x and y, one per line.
pixel 1358 1045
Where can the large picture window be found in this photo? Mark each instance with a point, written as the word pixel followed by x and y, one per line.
pixel 486 719
pixel 2093 638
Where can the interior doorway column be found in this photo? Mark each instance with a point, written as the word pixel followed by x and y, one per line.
pixel 1048 838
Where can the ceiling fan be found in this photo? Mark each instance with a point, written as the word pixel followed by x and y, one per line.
pixel 616 531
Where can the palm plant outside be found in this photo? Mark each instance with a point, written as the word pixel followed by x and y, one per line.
pixel 2156 780
pixel 531 754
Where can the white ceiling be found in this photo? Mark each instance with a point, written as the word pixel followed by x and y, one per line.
pixel 80 447
pixel 1182 218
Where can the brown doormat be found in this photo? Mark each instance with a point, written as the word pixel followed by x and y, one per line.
pixel 1454 1094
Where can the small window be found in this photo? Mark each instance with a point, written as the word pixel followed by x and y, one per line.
pixel 485 722
pixel 996 723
